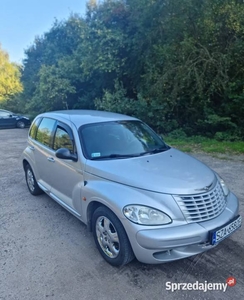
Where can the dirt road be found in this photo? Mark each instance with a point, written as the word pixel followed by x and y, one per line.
pixel 46 253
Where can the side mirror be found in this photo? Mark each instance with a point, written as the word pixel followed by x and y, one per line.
pixel 64 153
pixel 10 116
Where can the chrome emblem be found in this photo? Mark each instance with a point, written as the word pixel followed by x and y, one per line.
pixel 205 189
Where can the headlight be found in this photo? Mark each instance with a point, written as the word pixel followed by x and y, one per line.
pixel 145 215
pixel 223 185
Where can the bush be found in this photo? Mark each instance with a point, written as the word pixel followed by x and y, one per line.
pixel 177 134
pixel 227 136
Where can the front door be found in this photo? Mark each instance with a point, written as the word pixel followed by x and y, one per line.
pixel 67 175
pixel 6 119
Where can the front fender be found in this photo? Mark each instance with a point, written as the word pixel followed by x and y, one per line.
pixel 115 196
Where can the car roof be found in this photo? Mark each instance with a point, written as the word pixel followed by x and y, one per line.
pixel 5 110
pixel 81 117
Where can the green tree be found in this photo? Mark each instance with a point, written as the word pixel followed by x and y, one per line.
pixel 49 68
pixel 177 64
pixel 9 77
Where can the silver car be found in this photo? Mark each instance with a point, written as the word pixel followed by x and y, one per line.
pixel 139 197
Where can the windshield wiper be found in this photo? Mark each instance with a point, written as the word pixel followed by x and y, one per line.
pixel 114 155
pixel 156 150
pixel 117 155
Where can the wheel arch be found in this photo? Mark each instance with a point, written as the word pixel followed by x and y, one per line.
pixel 92 206
pixel 25 163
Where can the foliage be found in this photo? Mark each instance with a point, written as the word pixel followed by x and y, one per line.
pixel 178 64
pixel 199 143
pixel 116 101
pixel 9 77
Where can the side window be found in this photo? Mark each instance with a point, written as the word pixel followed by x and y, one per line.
pixel 63 140
pixel 4 114
pixel 33 128
pixel 44 131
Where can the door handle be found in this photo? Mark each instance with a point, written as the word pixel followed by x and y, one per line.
pixel 51 159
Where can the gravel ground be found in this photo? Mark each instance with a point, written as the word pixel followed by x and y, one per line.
pixel 46 253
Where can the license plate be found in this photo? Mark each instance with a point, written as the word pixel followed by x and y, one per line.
pixel 222 232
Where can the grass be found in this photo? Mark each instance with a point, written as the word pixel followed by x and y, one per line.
pixel 202 144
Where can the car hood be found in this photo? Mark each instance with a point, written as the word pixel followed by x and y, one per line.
pixel 171 172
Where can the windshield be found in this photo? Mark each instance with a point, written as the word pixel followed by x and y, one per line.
pixel 120 139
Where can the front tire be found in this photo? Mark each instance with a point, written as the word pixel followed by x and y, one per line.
pixel 31 181
pixel 111 238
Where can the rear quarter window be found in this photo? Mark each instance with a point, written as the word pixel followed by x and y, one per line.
pixel 33 129
pixel 44 131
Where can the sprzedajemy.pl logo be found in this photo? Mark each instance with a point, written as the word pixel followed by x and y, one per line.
pixel 201 286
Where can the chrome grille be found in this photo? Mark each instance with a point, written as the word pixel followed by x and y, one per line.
pixel 202 207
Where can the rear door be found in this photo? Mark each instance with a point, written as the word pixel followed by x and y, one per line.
pixel 43 152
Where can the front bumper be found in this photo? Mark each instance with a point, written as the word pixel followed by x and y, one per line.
pixel 160 245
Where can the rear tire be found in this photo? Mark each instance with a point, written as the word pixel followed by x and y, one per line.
pixel 110 237
pixel 31 181
pixel 20 124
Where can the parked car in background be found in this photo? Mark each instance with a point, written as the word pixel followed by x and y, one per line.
pixel 9 119
pixel 139 196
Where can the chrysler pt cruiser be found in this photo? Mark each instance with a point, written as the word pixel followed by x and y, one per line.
pixel 140 197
